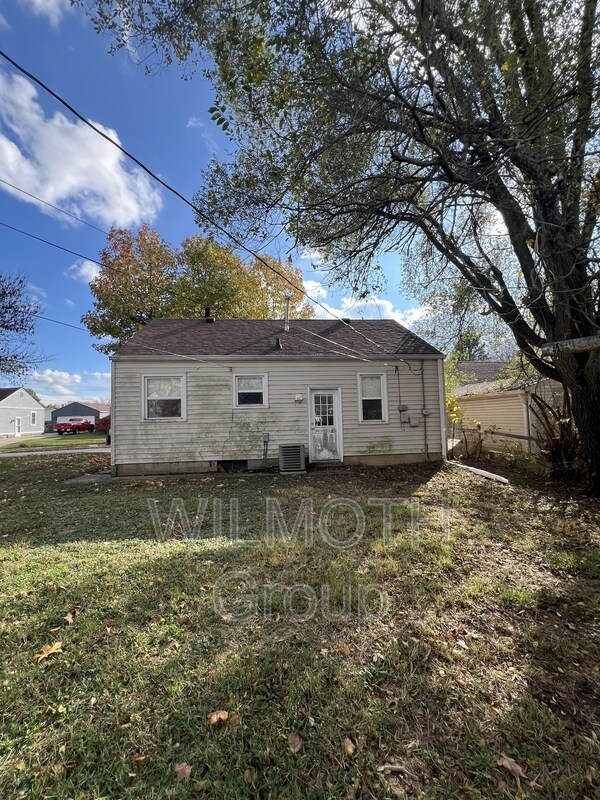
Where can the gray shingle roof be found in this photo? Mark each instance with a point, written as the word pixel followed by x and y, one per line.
pixel 4 393
pixel 481 371
pixel 258 337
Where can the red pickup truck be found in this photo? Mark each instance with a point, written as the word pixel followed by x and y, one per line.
pixel 74 425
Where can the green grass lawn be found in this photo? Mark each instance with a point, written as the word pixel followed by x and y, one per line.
pixel 66 440
pixel 480 679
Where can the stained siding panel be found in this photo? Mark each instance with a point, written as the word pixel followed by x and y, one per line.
pixel 216 430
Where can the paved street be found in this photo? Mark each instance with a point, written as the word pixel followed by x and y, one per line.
pixel 38 452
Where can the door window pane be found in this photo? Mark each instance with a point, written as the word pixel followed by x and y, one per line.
pixel 324 410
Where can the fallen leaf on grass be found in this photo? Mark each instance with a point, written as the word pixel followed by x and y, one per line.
pixel 248 776
pixel 235 720
pixel 511 766
pixel 349 747
pixel 395 768
pixel 295 742
pixel 182 772
pixel 218 716
pixel 69 617
pixel 48 650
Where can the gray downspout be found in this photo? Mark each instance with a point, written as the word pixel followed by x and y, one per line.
pixel 527 421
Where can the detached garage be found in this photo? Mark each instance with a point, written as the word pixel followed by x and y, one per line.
pixel 89 413
pixel 503 415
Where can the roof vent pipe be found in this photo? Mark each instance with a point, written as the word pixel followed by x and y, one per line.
pixel 279 344
pixel 286 319
pixel 207 312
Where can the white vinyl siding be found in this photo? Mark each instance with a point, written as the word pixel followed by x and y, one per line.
pixel 21 404
pixel 213 430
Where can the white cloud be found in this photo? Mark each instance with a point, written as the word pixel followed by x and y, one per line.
pixel 66 163
pixel 83 270
pixel 55 385
pixel 69 303
pixel 100 377
pixel 62 387
pixel 315 288
pixel 36 291
pixel 3 22
pixel 312 255
pixel 52 9
pixel 206 135
pixel 371 308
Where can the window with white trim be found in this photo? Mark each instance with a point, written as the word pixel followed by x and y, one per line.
pixel 163 397
pixel 33 417
pixel 250 390
pixel 372 397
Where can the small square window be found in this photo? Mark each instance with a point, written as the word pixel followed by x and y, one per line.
pixel 372 398
pixel 163 398
pixel 250 390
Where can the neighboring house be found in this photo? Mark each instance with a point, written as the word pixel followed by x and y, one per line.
pixel 197 395
pixel 91 413
pixel 20 413
pixel 501 411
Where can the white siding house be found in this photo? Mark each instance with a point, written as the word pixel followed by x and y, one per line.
pixel 502 414
pixel 20 413
pixel 193 395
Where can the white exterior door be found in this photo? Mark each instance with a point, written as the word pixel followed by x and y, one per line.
pixel 325 425
pixel 17 426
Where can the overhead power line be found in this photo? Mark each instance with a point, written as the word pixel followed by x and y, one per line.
pixel 52 244
pixel 51 205
pixel 202 214
pixel 173 293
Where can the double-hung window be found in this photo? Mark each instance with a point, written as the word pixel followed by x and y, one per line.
pixel 33 417
pixel 164 397
pixel 250 390
pixel 372 398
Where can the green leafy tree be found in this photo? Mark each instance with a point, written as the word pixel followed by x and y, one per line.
pixel 441 130
pixel 143 277
pixel 136 283
pixel 470 346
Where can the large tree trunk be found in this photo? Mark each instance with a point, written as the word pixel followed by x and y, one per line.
pixel 581 374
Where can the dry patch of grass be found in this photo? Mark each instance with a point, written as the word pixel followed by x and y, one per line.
pixel 455 655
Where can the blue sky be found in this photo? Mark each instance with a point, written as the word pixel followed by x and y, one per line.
pixel 163 120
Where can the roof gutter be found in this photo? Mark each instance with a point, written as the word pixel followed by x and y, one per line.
pixel 388 359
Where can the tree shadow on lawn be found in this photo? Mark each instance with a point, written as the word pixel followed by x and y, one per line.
pixel 437 693
pixel 44 511
pixel 439 688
